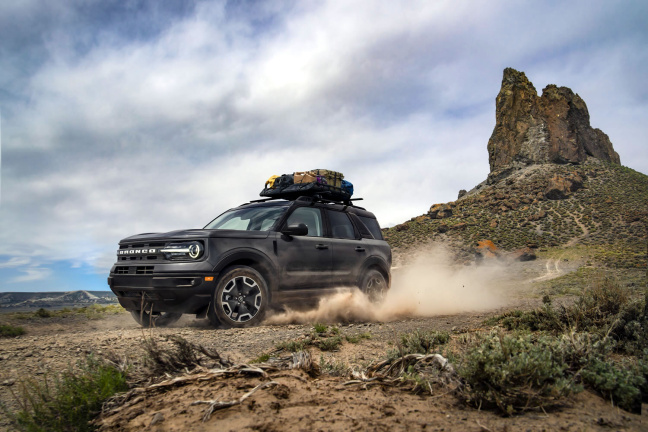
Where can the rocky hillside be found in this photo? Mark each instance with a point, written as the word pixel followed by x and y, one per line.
pixel 555 185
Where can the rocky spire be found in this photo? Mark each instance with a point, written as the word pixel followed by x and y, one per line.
pixel 552 128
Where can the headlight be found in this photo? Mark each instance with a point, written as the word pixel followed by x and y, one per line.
pixel 193 250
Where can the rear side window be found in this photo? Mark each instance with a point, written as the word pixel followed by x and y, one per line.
pixel 341 226
pixel 373 226
pixel 364 231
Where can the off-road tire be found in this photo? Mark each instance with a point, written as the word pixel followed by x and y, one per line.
pixel 155 319
pixel 374 285
pixel 240 298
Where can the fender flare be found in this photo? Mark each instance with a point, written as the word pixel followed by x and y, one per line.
pixel 246 256
pixel 377 262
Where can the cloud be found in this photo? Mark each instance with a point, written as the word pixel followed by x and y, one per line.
pixel 125 117
pixel 31 274
pixel 15 262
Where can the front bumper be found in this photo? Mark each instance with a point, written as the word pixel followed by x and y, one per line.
pixel 179 293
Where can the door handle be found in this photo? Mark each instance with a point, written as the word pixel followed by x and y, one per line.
pixel 359 249
pixel 321 246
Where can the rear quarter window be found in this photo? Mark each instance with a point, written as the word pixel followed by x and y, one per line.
pixel 373 226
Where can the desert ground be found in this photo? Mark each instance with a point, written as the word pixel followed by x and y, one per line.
pixel 424 297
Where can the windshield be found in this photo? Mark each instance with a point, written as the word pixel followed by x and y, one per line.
pixel 247 219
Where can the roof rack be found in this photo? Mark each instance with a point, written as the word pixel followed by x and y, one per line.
pixel 311 198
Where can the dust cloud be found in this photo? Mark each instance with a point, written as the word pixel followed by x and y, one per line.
pixel 432 285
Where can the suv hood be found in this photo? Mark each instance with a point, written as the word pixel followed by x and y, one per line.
pixel 195 234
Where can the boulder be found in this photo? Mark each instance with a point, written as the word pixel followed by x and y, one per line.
pixel 524 254
pixel 486 249
pixel 560 187
pixel 552 128
pixel 440 211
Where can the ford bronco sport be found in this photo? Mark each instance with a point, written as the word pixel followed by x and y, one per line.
pixel 261 254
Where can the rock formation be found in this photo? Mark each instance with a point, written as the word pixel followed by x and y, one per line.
pixel 552 128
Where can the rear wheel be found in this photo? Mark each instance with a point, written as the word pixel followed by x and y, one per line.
pixel 374 285
pixel 240 298
pixel 155 319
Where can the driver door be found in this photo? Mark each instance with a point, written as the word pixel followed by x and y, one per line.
pixel 305 261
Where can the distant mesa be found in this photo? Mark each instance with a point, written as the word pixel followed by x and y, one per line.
pixel 552 128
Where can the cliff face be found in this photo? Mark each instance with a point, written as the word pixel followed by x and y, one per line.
pixel 552 128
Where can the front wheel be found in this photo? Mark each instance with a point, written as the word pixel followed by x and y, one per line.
pixel 374 285
pixel 240 298
pixel 155 319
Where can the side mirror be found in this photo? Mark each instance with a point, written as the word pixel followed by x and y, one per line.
pixel 299 229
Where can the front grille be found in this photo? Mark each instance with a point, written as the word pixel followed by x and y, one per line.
pixel 121 270
pixel 134 270
pixel 144 270
pixel 138 258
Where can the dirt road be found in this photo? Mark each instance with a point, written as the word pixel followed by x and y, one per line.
pixel 297 401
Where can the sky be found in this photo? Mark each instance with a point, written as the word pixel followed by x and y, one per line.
pixel 119 117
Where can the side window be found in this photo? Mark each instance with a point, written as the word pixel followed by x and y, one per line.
pixel 341 226
pixel 364 231
pixel 311 217
pixel 373 226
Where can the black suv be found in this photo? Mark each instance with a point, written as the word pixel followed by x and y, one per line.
pixel 261 254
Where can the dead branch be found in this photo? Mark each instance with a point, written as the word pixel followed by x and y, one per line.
pixel 215 405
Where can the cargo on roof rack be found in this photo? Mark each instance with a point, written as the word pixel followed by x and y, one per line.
pixel 326 184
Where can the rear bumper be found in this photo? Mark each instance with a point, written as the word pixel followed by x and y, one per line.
pixel 163 293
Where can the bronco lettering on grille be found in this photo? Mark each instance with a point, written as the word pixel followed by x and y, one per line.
pixel 136 251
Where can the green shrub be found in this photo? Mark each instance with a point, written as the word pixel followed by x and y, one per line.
pixel 292 346
pixel 621 385
pixel 357 338
pixel 330 343
pixel 320 328
pixel 333 367
pixel 605 309
pixel 261 359
pixel 516 372
pixel 43 313
pixel 419 342
pixel 69 401
pixel 7 330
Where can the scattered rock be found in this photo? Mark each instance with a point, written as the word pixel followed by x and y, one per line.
pixel 157 418
pixel 462 192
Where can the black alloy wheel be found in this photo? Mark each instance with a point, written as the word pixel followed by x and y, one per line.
pixel 240 298
pixel 374 285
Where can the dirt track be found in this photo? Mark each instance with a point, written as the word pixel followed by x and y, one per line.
pixel 296 402
pixel 299 402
